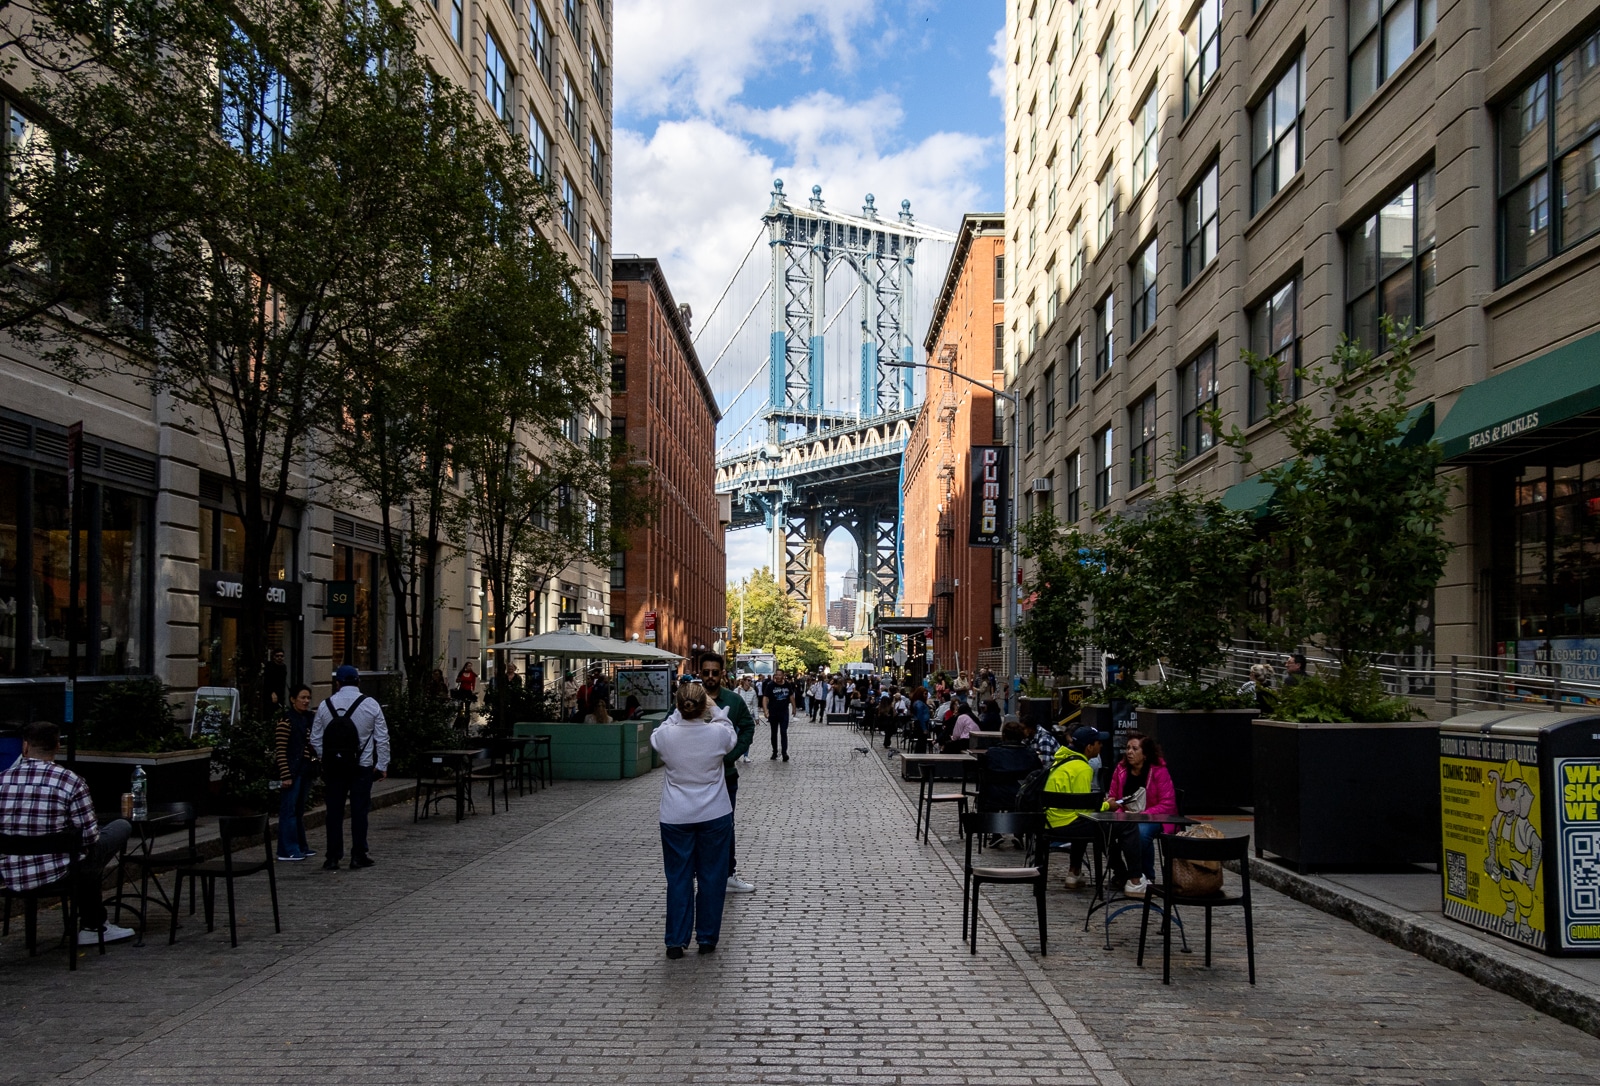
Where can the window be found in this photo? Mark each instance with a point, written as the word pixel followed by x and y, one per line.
pixel 1033 228
pixel 597 72
pixel 574 16
pixel 1074 364
pixel 1074 485
pixel 1389 266
pixel 1142 441
pixel 999 283
pixel 1108 207
pixel 1550 146
pixel 538 147
pixel 1197 392
pixel 1075 245
pixel 1075 42
pixel 256 106
pixel 999 435
pixel 1053 176
pixel 619 322
pixel 1275 334
pixel 1200 226
pixel 597 254
pixel 1202 52
pixel 1105 355
pixel 496 78
pixel 619 574
pixel 999 347
pixel 569 207
pixel 1142 317
pixel 1275 136
pixel 1075 136
pixel 1027 421
pixel 1383 33
pixel 1104 464
pixel 1055 82
pixel 570 107
pixel 539 41
pixel 458 23
pixel 1144 13
pixel 1052 302
pixel 1108 70
pixel 1145 127
pixel 597 162
pixel 1033 137
pixel 1049 399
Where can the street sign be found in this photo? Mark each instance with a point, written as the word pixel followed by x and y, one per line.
pixel 569 618
pixel 341 599
pixel 900 657
pixel 650 627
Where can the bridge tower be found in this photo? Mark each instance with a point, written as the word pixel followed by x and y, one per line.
pixel 823 469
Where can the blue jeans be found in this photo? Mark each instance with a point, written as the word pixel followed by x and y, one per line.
pixel 1139 850
pixel 291 816
pixel 696 851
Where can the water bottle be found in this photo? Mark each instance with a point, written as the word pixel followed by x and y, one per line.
pixel 141 793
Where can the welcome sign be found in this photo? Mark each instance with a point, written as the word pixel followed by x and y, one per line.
pixel 988 528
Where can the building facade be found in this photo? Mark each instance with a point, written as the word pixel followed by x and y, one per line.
pixel 1188 180
pixel 675 567
pixel 163 543
pixel 956 584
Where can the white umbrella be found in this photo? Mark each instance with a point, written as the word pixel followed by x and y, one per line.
pixel 572 645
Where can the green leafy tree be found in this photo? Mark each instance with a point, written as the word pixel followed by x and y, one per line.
pixel 1065 567
pixel 759 608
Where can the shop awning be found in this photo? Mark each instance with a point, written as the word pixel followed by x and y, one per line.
pixel 1254 495
pixel 1539 403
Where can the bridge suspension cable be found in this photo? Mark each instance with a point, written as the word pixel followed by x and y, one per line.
pixel 760 297
pixel 761 233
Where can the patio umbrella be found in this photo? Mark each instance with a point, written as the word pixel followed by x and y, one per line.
pixel 572 645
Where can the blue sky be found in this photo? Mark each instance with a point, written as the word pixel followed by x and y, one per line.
pixel 716 98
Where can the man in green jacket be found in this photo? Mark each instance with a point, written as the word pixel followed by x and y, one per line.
pixel 1072 771
pixel 712 669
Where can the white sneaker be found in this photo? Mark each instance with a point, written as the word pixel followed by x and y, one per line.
pixel 736 885
pixel 114 933
pixel 1138 887
pixel 1074 882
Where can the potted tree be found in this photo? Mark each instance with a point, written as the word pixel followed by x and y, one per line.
pixel 131 723
pixel 1177 587
pixel 1056 629
pixel 1344 772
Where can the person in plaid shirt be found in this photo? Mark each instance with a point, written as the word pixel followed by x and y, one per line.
pixel 37 797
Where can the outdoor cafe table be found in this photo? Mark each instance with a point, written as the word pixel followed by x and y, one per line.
pixel 930 763
pixel 984 740
pixel 459 759
pixel 142 841
pixel 1109 823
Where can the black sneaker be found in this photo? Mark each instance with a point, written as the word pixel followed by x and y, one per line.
pixel 786 757
pixel 362 861
pixel 708 948
pixel 674 952
pixel 774 757
pixel 330 864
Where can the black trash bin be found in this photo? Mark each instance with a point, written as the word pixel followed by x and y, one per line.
pixel 1520 812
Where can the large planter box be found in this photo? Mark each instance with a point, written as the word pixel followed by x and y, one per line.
pixel 587 752
pixel 1351 795
pixel 180 776
pixel 1209 754
pixel 637 754
pixel 1115 719
pixel 1041 711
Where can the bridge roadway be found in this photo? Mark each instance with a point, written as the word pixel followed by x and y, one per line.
pixel 525 947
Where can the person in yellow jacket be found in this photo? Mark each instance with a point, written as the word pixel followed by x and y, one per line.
pixel 1073 771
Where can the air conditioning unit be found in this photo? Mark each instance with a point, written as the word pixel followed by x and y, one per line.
pixel 1041 486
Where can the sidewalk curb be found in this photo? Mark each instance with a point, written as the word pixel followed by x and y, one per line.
pixel 1504 970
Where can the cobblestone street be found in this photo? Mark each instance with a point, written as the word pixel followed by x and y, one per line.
pixel 527 948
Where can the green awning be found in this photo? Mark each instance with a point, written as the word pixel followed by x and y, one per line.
pixel 1534 405
pixel 1254 495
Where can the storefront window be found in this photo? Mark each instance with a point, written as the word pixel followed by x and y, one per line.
pixel 222 553
pixel 356 638
pixel 1552 611
pixel 124 555
pixel 11 656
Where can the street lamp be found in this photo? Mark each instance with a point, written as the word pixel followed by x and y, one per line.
pixel 1011 588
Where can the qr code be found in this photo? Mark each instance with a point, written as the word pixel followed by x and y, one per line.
pixel 1583 866
pixel 1455 874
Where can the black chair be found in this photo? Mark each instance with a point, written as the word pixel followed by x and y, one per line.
pixel 69 841
pixel 496 770
pixel 238 828
pixel 523 772
pixel 1025 825
pixel 164 818
pixel 1175 848
pixel 436 782
pixel 929 796
pixel 544 759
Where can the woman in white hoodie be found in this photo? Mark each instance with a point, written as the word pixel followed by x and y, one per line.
pixel 696 817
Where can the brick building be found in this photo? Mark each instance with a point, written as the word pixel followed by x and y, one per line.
pixel 956 584
pixel 661 402
pixel 1188 181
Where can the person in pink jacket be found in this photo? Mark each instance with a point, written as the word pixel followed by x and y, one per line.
pixel 1141 783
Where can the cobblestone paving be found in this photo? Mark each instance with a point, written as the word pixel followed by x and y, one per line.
pixel 541 960
pixel 1332 1004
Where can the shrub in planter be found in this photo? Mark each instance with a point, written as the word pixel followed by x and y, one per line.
pixel 242 753
pixel 418 722
pixel 134 715
pixel 1190 696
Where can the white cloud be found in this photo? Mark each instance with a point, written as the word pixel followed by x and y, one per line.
pixel 748 549
pixel 997 70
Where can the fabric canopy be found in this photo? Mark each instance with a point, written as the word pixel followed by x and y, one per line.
pixel 1526 408
pixel 572 645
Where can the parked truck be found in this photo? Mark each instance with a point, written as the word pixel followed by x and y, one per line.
pixel 760 665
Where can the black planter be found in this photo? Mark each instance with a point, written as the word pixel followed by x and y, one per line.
pixel 1209 755
pixel 1350 795
pixel 1115 719
pixel 176 777
pixel 1041 712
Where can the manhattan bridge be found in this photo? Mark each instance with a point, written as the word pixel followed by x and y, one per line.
pixel 838 303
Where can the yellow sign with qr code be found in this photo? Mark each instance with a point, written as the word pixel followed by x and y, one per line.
pixel 1578 837
pixel 1494 845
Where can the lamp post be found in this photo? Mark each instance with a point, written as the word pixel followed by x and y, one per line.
pixel 1011 528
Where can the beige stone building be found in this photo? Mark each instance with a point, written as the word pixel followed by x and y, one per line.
pixel 1186 179
pixel 162 539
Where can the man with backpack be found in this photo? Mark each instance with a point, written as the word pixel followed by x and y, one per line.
pixel 351 737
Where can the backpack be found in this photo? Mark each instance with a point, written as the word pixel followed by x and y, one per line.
pixel 341 743
pixel 1030 793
